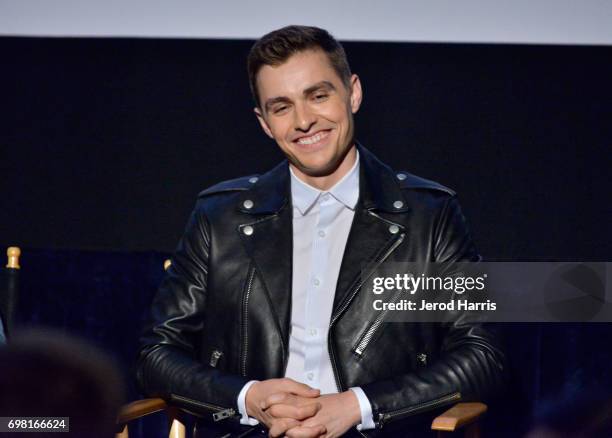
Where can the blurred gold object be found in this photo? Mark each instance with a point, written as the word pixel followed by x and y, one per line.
pixel 13 253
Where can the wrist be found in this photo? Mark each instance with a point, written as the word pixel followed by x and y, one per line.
pixel 352 407
pixel 245 417
pixel 250 399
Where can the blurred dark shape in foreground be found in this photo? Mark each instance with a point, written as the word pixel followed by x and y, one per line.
pixel 587 414
pixel 46 373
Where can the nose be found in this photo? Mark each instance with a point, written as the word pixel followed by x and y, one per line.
pixel 304 118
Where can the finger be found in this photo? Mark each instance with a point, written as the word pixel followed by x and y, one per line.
pixel 280 426
pixel 278 397
pixel 296 412
pixel 302 389
pixel 306 431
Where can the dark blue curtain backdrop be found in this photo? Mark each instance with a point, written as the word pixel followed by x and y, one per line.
pixel 104 144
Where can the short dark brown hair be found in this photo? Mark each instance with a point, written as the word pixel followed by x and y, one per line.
pixel 279 45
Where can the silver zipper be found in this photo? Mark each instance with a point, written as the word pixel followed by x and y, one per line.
pixel 348 301
pixel 214 358
pixel 220 413
pixel 412 410
pixel 245 316
pixel 370 331
pixel 365 339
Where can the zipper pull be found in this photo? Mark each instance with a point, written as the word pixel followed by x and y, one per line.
pixel 214 358
pixel 382 419
pixel 422 358
pixel 222 415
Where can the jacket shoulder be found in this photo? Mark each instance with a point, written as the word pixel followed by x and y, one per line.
pixel 411 181
pixel 229 186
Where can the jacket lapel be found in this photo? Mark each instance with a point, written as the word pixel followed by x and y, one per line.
pixel 368 242
pixel 269 240
pixel 372 237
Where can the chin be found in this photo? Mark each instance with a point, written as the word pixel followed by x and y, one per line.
pixel 317 170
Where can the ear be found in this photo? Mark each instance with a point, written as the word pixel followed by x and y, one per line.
pixel 262 122
pixel 356 93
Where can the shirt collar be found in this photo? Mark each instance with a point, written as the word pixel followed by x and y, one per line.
pixel 345 191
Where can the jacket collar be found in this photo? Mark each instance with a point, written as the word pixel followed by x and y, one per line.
pixel 379 188
pixel 270 193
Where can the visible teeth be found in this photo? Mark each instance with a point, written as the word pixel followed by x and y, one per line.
pixel 313 139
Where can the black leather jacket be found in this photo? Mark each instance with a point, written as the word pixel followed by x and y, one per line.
pixel 222 314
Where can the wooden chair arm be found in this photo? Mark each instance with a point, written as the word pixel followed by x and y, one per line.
pixel 458 416
pixel 140 408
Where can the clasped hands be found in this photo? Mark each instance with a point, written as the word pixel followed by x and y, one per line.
pixel 293 409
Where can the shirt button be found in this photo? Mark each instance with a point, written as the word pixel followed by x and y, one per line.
pixel 313 332
pixel 316 282
pixel 321 233
pixel 310 376
pixel 325 197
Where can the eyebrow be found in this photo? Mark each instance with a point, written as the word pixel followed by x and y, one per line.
pixel 323 85
pixel 318 86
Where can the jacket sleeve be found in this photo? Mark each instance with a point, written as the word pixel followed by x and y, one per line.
pixel 168 364
pixel 470 364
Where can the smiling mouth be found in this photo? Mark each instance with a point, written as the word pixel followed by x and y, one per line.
pixel 313 139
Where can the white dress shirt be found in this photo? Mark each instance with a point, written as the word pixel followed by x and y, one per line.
pixel 321 224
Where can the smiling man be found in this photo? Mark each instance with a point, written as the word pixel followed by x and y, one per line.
pixel 261 317
pixel 307 108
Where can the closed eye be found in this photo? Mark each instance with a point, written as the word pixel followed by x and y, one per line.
pixel 279 109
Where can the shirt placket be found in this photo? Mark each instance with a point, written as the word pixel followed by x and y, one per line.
pixel 319 290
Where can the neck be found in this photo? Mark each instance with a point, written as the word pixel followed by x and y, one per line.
pixel 326 182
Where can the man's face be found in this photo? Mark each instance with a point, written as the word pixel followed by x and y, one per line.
pixel 308 111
